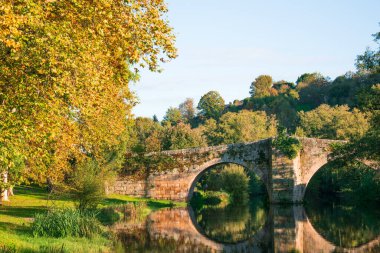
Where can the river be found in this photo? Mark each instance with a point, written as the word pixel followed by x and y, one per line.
pixel 255 227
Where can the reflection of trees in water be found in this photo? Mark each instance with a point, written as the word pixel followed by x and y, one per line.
pixel 345 226
pixel 140 240
pixel 232 224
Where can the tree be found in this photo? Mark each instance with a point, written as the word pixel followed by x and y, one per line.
pixel 370 60
pixel 172 117
pixel 183 136
pixel 146 135
pixel 187 109
pixel 367 146
pixel 262 87
pixel 238 127
pixel 312 88
pixel 334 123
pixel 64 74
pixel 211 105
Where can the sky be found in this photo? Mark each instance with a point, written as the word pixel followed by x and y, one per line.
pixel 224 45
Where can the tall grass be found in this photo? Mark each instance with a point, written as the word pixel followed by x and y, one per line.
pixel 66 222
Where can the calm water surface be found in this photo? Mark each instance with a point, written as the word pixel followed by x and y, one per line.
pixel 255 227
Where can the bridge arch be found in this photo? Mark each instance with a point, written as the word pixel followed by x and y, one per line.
pixel 224 160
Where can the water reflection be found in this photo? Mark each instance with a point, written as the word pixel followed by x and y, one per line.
pixel 345 226
pixel 253 228
pixel 233 223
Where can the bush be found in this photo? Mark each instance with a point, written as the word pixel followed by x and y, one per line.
pixel 66 222
pixel 288 145
pixel 236 182
pixel 86 185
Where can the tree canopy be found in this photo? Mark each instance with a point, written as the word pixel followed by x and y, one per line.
pixel 65 67
pixel 211 105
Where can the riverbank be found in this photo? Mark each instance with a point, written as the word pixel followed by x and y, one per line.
pixel 17 215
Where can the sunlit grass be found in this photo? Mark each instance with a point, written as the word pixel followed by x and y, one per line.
pixel 17 215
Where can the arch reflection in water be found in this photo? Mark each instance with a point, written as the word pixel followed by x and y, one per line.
pixel 287 229
pixel 233 223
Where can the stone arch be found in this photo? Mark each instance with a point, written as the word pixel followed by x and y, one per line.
pixel 320 166
pixel 208 165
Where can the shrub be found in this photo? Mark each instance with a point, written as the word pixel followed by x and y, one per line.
pixel 288 145
pixel 66 222
pixel 235 182
pixel 86 185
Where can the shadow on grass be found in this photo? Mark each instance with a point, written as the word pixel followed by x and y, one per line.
pixel 40 193
pixel 22 212
pixel 14 228
pixel 35 192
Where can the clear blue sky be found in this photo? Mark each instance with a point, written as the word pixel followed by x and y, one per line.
pixel 224 45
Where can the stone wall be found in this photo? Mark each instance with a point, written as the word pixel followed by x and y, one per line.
pixel 129 186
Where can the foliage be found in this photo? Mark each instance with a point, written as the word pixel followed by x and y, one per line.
pixel 172 117
pixel 230 178
pixel 209 198
pixel 262 87
pixel 368 145
pixel 370 60
pixel 350 181
pixel 139 164
pixel 312 89
pixel 65 68
pixel 211 105
pixel 238 127
pixel 288 145
pixel 146 135
pixel 86 185
pixel 236 183
pixel 66 222
pixel 346 88
pixel 334 123
pixel 187 109
pixel 182 136
pixel 283 107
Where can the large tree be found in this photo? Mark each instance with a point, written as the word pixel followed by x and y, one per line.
pixel 262 87
pixel 211 105
pixel 65 67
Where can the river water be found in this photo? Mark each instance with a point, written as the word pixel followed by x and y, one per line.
pixel 255 227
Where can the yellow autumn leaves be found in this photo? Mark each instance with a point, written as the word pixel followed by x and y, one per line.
pixel 65 67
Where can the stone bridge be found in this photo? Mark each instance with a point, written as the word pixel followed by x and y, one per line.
pixel 285 179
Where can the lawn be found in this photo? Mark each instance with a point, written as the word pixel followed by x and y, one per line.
pixel 17 215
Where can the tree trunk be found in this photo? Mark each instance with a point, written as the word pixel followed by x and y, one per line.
pixel 4 193
pixel 10 191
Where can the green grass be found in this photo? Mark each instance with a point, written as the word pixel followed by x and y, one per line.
pixel 16 217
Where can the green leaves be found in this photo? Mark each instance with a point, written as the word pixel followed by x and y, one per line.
pixel 65 68
pixel 288 145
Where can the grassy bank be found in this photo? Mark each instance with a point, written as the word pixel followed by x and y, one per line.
pixel 17 215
